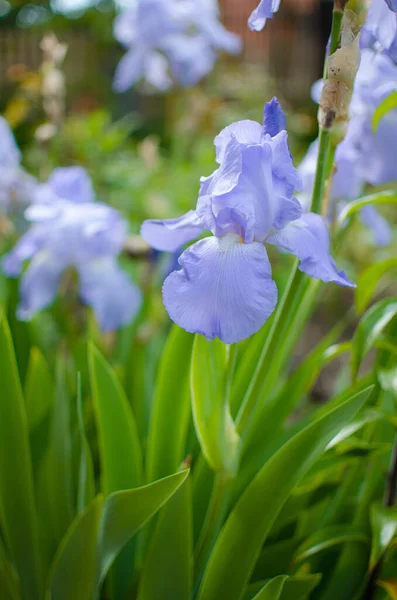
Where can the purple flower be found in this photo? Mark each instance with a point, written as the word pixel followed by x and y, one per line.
pixel 169 41
pixel 16 186
pixel 264 11
pixel 224 287
pixel 380 29
pixel 68 230
pixel 392 4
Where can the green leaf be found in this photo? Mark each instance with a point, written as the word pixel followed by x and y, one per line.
pixel 86 481
pixel 384 528
pixel 73 570
pixel 18 510
pixel 368 280
pixel 39 389
pixel 125 512
pixel 167 571
pixel 272 590
pixel 171 408
pixel 300 587
pixel 388 104
pixel 329 537
pixel 120 451
pixel 215 428
pixel 249 523
pixel 387 197
pixel 9 584
pixel 369 329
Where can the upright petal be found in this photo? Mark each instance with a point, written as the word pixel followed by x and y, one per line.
pixel 245 132
pixel 130 69
pixel 72 183
pixel 377 224
pixel 264 11
pixel 274 119
pixel 108 290
pixel 308 239
pixel 224 289
pixel 170 234
pixel 39 285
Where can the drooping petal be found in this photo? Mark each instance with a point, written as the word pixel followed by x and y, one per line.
pixel 130 69
pixel 157 72
pixel 245 132
pixel 224 289
pixel 39 285
pixel 170 234
pixel 392 4
pixel 72 183
pixel 264 11
pixel 377 224
pixel 108 290
pixel 28 245
pixel 191 58
pixel 308 239
pixel 125 28
pixel 274 119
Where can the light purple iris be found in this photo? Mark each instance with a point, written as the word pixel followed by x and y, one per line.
pixel 264 11
pixel 380 29
pixel 224 287
pixel 68 230
pixel 16 186
pixel 170 41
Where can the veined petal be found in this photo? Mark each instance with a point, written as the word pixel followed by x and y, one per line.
pixel 105 287
pixel 308 239
pixel 274 119
pixel 377 224
pixel 264 11
pixel 224 289
pixel 39 285
pixel 245 132
pixel 170 234
pixel 130 69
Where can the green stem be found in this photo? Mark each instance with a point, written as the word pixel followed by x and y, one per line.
pixel 324 143
pixel 212 524
pixel 337 18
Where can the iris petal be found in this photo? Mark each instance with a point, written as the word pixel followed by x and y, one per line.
pixel 39 285
pixel 108 290
pixel 264 11
pixel 308 239
pixel 170 234
pixel 224 289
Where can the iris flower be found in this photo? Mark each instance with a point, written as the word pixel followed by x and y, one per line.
pixel 170 41
pixel 69 230
pixel 380 29
pixel 224 287
pixel 264 11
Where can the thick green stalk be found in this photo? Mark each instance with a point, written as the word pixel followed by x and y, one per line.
pixel 324 144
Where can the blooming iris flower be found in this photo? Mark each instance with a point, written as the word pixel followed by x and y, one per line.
pixel 68 230
pixel 224 287
pixel 16 186
pixel 264 11
pixel 170 40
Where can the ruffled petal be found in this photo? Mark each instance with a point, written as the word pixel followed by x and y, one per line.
pixel 170 234
pixel 308 239
pixel 274 119
pixel 245 132
pixel 130 69
pixel 264 11
pixel 105 287
pixel 224 289
pixel 377 224
pixel 39 285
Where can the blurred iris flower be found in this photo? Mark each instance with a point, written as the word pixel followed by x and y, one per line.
pixel 264 11
pixel 16 186
pixel 170 41
pixel 224 287
pixel 380 29
pixel 363 157
pixel 69 230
